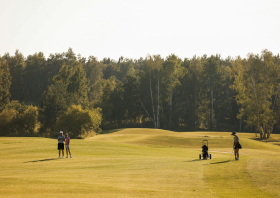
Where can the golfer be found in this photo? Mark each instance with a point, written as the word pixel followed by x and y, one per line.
pixel 60 146
pixel 67 145
pixel 236 145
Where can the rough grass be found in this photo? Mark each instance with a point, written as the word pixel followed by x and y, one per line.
pixel 140 163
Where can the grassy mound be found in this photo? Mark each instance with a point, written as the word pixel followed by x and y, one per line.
pixel 140 163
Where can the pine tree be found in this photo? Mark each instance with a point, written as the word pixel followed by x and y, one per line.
pixel 5 83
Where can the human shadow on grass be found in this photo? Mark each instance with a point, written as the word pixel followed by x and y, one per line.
pixel 43 160
pixel 221 162
pixel 195 160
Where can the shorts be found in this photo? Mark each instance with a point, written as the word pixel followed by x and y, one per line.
pixel 67 146
pixel 238 146
pixel 60 146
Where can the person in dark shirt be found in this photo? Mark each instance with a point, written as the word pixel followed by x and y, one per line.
pixel 205 151
pixel 60 146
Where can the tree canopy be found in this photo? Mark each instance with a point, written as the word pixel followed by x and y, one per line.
pixel 199 93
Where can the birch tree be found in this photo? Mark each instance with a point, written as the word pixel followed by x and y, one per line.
pixel 192 89
pixel 94 74
pixel 210 75
pixel 158 66
pixel 172 72
pixel 150 80
pixel 256 81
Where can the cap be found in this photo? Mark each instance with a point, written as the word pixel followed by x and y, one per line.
pixel 61 132
pixel 233 133
pixel 66 134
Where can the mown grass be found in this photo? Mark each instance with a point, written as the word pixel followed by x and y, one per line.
pixel 140 163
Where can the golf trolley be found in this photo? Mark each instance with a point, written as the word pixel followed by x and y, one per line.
pixel 204 147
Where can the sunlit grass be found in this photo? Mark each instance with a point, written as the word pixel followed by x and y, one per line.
pixel 139 163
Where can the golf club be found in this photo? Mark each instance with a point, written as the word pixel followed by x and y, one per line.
pixel 230 155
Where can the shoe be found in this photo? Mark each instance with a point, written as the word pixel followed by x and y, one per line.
pixel 70 156
pixel 59 157
pixel 63 157
pixel 67 157
pixel 237 158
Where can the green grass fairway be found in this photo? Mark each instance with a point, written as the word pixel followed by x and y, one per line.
pixel 140 163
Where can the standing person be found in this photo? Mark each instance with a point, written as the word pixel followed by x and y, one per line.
pixel 236 145
pixel 67 145
pixel 61 140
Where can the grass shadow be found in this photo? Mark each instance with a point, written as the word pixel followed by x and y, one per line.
pixel 43 160
pixel 12 142
pixel 110 131
pixel 267 140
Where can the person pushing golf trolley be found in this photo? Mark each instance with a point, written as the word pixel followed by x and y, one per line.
pixel 205 154
pixel 236 145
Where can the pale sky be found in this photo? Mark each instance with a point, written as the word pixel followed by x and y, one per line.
pixel 135 28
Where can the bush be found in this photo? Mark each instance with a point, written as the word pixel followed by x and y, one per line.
pixel 77 121
pixel 18 120
pixel 7 119
pixel 29 120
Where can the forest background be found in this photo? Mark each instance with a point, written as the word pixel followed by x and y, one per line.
pixel 40 96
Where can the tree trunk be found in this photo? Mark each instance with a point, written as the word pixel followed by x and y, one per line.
pixel 240 124
pixel 269 130
pixel 195 103
pixel 170 112
pixel 158 104
pixel 21 81
pixel 264 130
pixel 261 132
pixel 146 111
pixel 152 98
pixel 117 120
pixel 230 106
pixel 212 110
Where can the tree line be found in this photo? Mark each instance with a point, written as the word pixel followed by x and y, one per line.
pixel 79 95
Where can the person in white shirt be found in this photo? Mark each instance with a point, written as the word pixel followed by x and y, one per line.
pixel 236 145
pixel 60 146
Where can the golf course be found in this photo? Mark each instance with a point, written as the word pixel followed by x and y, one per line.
pixel 141 163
